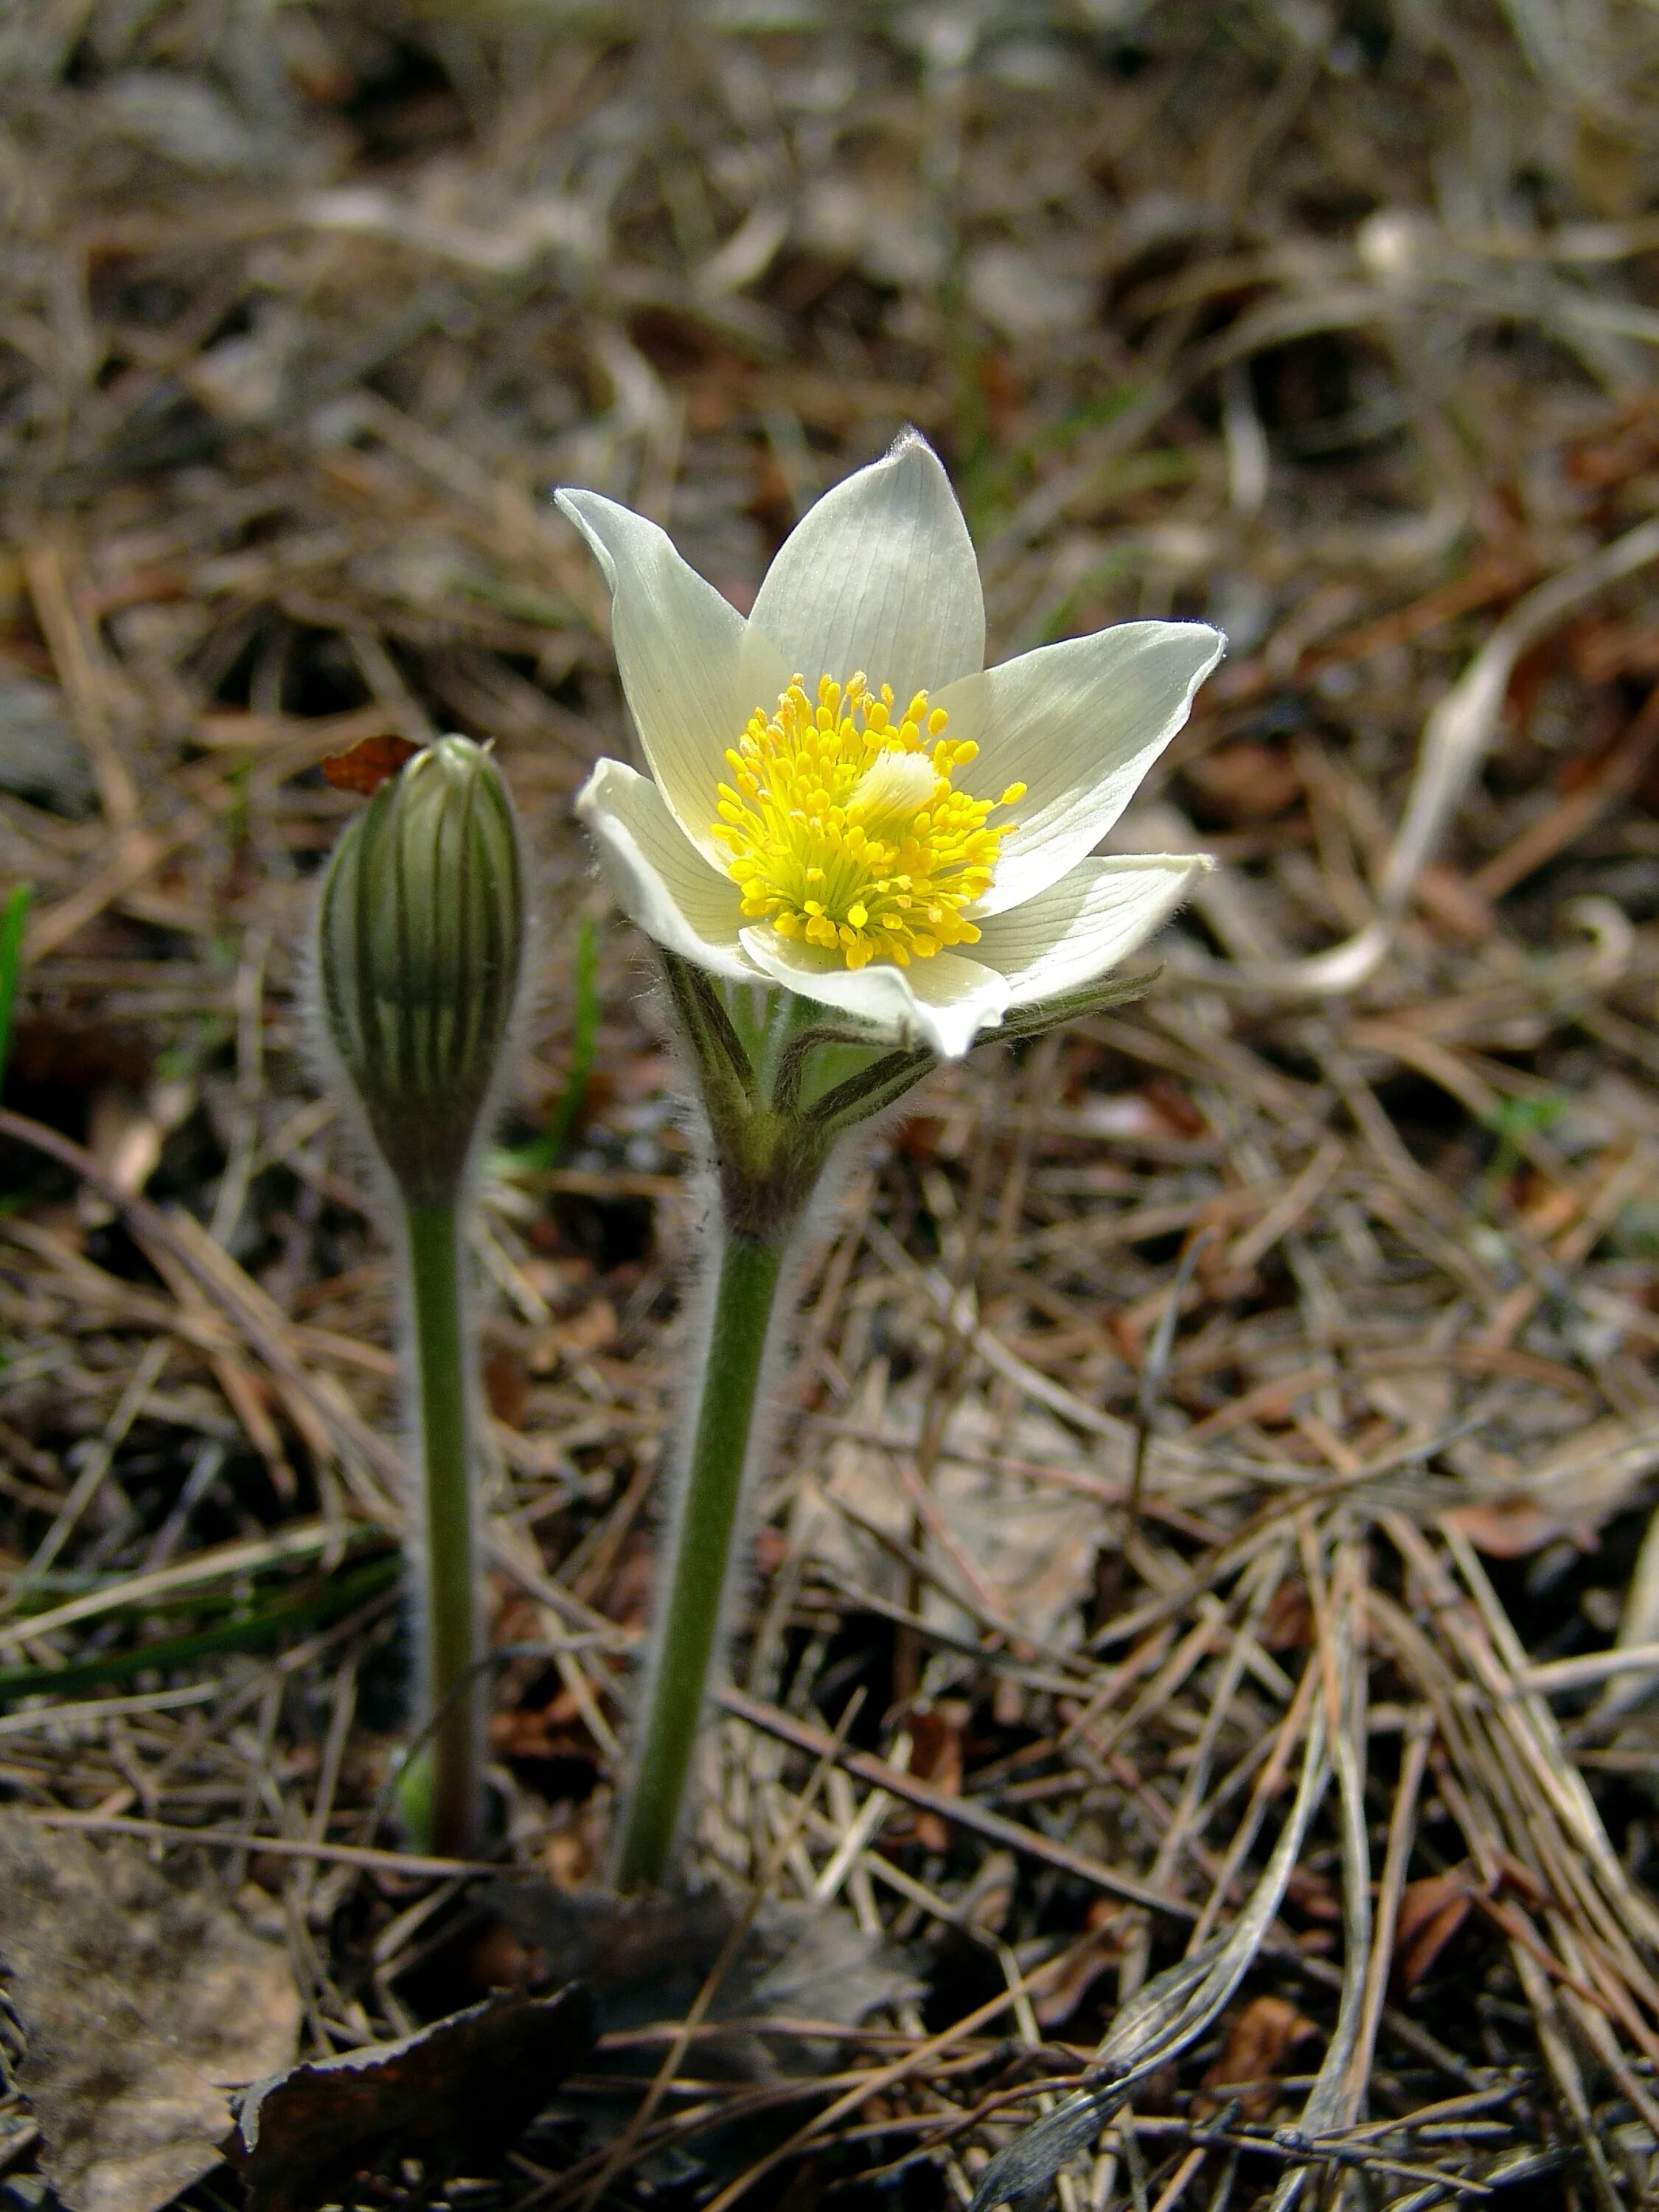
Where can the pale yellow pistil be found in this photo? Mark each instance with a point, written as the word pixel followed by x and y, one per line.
pixel 844 830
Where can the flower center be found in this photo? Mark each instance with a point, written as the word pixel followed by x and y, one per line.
pixel 844 830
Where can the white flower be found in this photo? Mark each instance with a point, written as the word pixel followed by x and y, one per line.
pixel 844 800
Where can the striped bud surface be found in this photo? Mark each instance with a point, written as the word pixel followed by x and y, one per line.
pixel 419 948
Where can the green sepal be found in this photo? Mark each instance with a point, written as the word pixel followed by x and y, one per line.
pixel 1020 1024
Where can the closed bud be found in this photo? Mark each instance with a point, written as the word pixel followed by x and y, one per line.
pixel 420 947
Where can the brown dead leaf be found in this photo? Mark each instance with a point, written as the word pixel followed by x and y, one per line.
pixel 555 1730
pixel 1261 2038
pixel 936 1757
pixel 1315 1892
pixel 464 2088
pixel 506 1385
pixel 1288 1623
pixel 1243 781
pixel 1031 1547
pixel 49 1051
pixel 645 1957
pixel 1506 1528
pixel 1574 1492
pixel 137 1997
pixel 1430 1913
pixel 365 766
pixel 1085 1964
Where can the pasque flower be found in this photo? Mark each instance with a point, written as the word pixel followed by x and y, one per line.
pixel 848 809
pixel 844 801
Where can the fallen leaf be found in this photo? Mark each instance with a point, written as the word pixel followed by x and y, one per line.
pixel 506 1385
pixel 1031 1545
pixel 1314 1892
pixel 936 1757
pixel 40 758
pixel 555 1730
pixel 1430 1913
pixel 1504 1528
pixel 645 1958
pixel 1243 781
pixel 51 1052
pixel 1086 1963
pixel 1261 2038
pixel 1288 1624
pixel 137 1997
pixel 1573 1491
pixel 365 766
pixel 456 2095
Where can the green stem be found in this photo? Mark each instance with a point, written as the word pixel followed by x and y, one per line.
pixel 443 1407
pixel 745 1290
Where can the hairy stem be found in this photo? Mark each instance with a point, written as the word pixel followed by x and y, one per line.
pixel 745 1292
pixel 443 1407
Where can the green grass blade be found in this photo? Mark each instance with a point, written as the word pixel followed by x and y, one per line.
pixel 306 1608
pixel 13 915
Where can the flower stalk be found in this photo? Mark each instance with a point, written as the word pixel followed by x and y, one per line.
pixel 745 1300
pixel 772 1125
pixel 437 1327
pixel 420 945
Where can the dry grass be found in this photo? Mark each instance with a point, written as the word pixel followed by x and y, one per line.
pixel 1283 1344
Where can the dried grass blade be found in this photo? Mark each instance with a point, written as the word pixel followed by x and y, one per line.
pixel 1334 2101
pixel 1169 2014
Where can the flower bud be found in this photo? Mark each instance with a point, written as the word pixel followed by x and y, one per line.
pixel 420 944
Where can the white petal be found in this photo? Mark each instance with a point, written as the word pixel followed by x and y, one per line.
pixel 658 878
pixel 879 576
pixel 678 645
pixel 942 1003
pixel 1079 724
pixel 1084 926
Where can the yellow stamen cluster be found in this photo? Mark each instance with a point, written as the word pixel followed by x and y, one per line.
pixel 843 828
